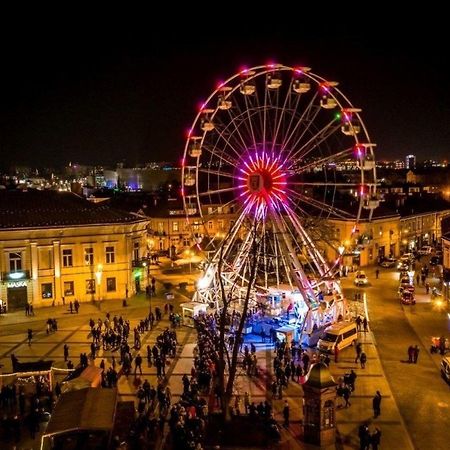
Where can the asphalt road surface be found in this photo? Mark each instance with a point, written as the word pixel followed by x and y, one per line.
pixel 422 395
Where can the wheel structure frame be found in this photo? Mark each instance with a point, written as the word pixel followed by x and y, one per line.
pixel 246 167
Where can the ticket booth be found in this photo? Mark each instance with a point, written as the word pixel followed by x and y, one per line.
pixel 191 310
pixel 286 334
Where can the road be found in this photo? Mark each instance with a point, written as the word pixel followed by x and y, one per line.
pixel 422 395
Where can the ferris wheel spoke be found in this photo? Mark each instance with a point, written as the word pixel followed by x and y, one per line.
pixel 231 135
pixel 335 157
pixel 219 173
pixel 322 205
pixel 314 142
pixel 287 100
pixel 305 117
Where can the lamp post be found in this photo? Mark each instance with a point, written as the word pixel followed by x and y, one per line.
pixel 98 275
pixel 150 244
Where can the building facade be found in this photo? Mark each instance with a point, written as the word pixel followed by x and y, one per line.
pixel 57 247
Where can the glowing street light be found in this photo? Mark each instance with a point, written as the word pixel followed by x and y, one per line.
pixel 98 275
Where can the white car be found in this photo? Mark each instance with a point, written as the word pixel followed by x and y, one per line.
pixel 361 279
pixel 425 250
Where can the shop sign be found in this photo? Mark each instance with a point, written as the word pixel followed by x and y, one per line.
pixel 16 284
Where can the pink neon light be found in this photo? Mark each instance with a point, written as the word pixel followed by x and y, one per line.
pixel 265 182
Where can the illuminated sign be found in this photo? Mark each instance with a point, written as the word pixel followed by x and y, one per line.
pixel 16 284
pixel 16 275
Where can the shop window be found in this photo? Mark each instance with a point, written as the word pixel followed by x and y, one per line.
pixel 69 288
pixel 90 286
pixel 47 290
pixel 174 226
pixel 111 285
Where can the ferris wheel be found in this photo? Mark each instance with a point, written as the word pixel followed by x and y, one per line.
pixel 274 154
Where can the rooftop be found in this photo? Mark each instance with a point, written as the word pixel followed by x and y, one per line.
pixel 32 208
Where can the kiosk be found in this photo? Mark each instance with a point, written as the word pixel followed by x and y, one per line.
pixel 286 333
pixel 191 310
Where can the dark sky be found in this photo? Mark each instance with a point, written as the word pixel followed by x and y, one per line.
pixel 100 94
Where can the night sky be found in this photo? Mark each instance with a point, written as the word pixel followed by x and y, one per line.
pixel 98 94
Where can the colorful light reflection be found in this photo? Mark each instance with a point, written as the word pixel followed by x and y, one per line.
pixel 263 180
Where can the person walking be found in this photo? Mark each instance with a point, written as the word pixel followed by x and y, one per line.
pixel 71 307
pixel 365 324
pixel 410 354
pixel 363 360
pixel 138 364
pixel 286 414
pixel 416 354
pixel 376 404
pixel 66 352
pixel 29 336
pixel 375 439
pixel 377 273
pixel 358 349
pixel 336 353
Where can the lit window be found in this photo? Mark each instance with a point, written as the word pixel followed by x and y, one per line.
pixel 47 290
pixel 69 288
pixel 90 286
pixel 111 285
pixel 174 226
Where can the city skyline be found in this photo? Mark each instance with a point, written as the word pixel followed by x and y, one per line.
pixel 97 98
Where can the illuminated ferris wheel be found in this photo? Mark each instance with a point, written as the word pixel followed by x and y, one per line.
pixel 272 154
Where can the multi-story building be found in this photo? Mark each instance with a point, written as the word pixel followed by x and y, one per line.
pixel 56 246
pixel 410 161
pixel 173 232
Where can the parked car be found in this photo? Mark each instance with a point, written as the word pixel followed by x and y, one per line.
pixel 407 297
pixel 361 279
pixel 425 250
pixel 388 262
pixel 435 260
pixel 445 368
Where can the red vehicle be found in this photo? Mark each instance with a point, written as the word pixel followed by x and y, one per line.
pixel 407 297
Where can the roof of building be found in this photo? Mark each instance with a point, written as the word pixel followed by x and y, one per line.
pixel 84 409
pixel 320 377
pixel 33 208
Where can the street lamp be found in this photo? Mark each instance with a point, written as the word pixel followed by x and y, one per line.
pixel 98 275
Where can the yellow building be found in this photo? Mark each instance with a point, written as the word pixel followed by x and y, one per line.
pixel 57 247
pixel 173 233
pixel 365 243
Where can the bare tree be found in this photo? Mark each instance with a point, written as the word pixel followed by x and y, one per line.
pixel 227 363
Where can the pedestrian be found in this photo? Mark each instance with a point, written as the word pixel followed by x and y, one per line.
pixel 358 349
pixel 29 335
pixel 362 360
pixel 410 354
pixel 377 273
pixel 57 389
pixel 375 439
pixel 427 287
pixel 416 354
pixel 138 364
pixel 365 324
pixel 358 323
pixel 66 352
pixel 336 353
pixel 364 436
pixel 286 413
pixel 77 306
pixel 71 307
pixel 376 404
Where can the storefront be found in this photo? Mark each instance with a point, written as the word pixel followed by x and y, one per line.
pixel 17 285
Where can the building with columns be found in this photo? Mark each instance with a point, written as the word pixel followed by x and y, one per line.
pixel 56 247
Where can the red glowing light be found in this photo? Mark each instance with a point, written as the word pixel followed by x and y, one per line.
pixel 263 184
